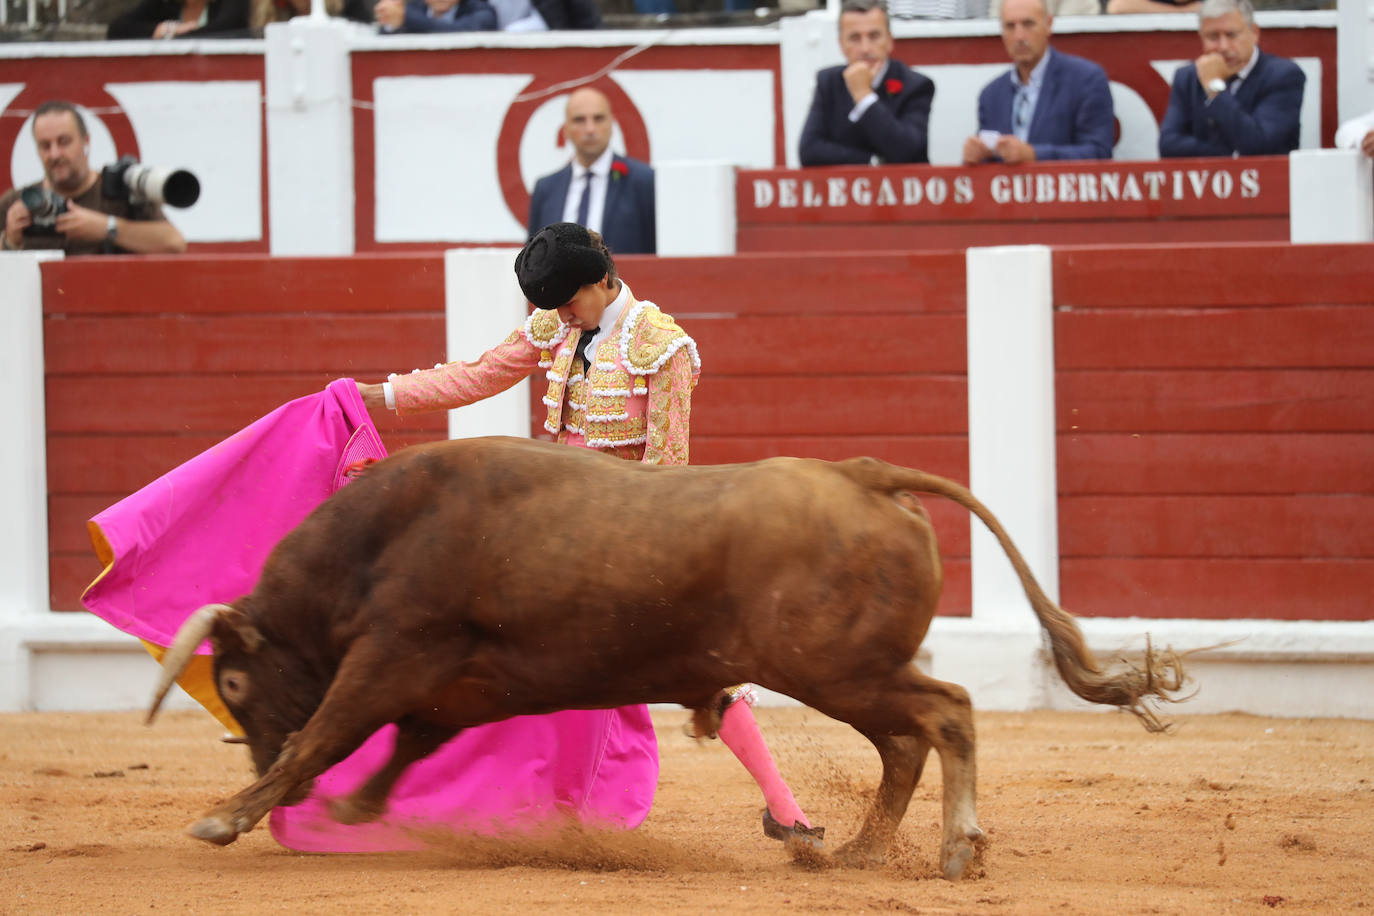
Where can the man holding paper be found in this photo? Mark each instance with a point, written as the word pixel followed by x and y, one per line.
pixel 1050 105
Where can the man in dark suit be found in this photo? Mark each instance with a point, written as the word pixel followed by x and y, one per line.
pixel 872 109
pixel 611 194
pixel 1234 99
pixel 1050 105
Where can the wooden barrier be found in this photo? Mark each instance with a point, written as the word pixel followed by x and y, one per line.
pixel 149 361
pixel 1047 203
pixel 1216 405
pixel 1216 431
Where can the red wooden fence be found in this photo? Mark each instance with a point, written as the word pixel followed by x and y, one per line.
pixel 1216 431
pixel 1216 406
pixel 150 361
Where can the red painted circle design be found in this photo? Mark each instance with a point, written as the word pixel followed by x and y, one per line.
pixel 89 95
pixel 626 115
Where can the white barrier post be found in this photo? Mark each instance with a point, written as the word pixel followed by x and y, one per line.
pixel 694 206
pixel 24 537
pixel 23 464
pixel 309 137
pixel 1011 424
pixel 483 303
pixel 1330 196
pixel 996 654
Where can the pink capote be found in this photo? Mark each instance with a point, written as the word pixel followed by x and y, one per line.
pixel 201 533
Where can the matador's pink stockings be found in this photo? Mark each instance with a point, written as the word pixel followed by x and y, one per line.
pixel 741 735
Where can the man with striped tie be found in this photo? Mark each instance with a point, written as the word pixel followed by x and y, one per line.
pixel 599 190
pixel 1050 105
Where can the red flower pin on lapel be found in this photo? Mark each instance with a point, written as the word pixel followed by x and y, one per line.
pixel 619 170
pixel 893 86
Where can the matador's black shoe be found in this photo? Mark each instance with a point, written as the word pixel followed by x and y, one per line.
pixel 798 832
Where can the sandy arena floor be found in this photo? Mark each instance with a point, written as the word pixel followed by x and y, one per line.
pixel 1085 813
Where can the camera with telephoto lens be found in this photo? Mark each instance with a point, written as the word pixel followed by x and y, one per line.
pixel 127 180
pixel 45 206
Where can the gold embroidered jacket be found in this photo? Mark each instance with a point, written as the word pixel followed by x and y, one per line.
pixel 635 401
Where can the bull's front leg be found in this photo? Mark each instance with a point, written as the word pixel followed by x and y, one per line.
pixel 363 697
pixel 222 824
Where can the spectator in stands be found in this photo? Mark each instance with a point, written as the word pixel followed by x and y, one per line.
pixel 265 11
pixel 872 109
pixel 1056 8
pixel 397 16
pixel 609 194
pixel 1153 6
pixel 182 19
pixel 1234 100
pixel 541 15
pixel 92 223
pixel 1050 105
pixel 1357 133
pixel 937 9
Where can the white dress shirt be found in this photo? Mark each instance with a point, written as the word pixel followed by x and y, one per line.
pixel 609 317
pixel 1351 133
pixel 601 175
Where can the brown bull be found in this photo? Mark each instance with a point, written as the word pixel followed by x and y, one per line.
pixel 450 586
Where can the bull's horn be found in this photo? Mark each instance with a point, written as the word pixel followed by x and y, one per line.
pixel 192 633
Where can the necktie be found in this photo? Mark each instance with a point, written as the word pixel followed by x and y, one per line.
pixel 1021 112
pixel 584 206
pixel 586 338
pixel 1232 84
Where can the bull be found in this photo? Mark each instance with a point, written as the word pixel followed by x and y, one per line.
pixel 451 585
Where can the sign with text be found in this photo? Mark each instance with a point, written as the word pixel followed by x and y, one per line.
pixel 1074 190
pixel 1241 199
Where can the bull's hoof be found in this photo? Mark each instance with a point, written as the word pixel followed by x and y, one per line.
pixel 215 830
pixel 349 810
pixel 958 855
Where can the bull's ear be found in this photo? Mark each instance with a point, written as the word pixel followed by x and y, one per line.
pixel 235 632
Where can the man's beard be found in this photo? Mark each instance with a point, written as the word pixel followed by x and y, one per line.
pixel 72 184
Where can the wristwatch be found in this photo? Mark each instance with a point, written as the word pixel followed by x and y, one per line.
pixel 1216 84
pixel 111 229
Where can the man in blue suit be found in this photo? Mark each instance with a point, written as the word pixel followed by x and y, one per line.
pixel 1050 105
pixel 1234 99
pixel 873 109
pixel 610 194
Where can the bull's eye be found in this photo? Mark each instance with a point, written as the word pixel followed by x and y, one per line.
pixel 233 686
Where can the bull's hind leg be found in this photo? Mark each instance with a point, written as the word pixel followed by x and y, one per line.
pixel 901 715
pixel 904 757
pixel 415 739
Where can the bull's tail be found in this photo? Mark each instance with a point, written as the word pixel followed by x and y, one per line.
pixel 1157 677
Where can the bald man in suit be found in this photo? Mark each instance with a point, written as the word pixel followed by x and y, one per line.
pixel 605 192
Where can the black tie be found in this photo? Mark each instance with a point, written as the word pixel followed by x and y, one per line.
pixel 1231 84
pixel 586 338
pixel 584 206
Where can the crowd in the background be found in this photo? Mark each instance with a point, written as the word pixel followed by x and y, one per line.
pixel 1233 100
pixel 237 18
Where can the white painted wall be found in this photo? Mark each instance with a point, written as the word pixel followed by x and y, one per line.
pixel 1330 196
pixel 310 137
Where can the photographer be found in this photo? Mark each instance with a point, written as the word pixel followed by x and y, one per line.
pixel 74 213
